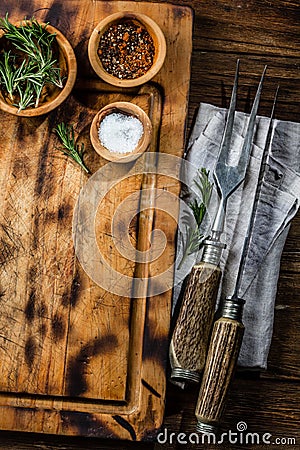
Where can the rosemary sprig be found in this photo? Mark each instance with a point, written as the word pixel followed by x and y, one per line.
pixel 7 76
pixel 205 187
pixel 26 96
pixel 67 137
pixel 191 243
pixel 25 72
pixel 199 210
pixel 193 237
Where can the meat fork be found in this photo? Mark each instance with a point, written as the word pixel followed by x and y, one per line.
pixel 189 341
pixel 228 329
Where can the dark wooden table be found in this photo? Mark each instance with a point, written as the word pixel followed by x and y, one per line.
pixel 259 32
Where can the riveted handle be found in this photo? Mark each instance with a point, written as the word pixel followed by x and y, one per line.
pixel 220 364
pixel 189 341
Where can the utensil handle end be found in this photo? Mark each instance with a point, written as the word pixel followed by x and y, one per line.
pixel 220 364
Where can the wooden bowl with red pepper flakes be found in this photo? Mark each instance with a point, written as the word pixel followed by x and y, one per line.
pixel 127 49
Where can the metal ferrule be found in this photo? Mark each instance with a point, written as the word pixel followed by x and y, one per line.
pixel 206 428
pixel 184 375
pixel 232 308
pixel 212 251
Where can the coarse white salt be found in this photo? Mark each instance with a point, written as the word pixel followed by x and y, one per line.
pixel 120 133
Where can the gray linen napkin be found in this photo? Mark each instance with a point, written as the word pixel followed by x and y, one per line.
pixel 278 204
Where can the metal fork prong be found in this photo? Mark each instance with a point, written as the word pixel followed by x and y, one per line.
pixel 226 139
pixel 229 177
pixel 245 153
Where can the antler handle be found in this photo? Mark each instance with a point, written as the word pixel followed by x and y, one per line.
pixel 220 364
pixel 189 342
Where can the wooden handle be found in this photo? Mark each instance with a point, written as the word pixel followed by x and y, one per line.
pixel 190 337
pixel 220 364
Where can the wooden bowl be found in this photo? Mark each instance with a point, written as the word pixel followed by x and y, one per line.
pixel 128 109
pixel 158 41
pixel 55 95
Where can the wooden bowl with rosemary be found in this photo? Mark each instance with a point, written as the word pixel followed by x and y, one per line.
pixel 37 67
pixel 127 49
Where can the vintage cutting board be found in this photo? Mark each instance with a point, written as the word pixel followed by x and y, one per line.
pixel 76 359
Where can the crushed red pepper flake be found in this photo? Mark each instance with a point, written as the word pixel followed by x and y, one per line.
pixel 126 50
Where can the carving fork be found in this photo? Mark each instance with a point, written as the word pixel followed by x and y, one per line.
pixel 228 330
pixel 189 341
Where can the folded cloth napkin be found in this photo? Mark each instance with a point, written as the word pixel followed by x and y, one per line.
pixel 278 204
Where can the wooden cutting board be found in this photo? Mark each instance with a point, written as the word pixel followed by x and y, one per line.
pixel 75 358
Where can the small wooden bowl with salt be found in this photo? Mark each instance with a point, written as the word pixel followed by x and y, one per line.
pixel 121 132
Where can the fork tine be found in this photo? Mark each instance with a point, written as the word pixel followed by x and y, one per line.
pixel 243 161
pixel 228 177
pixel 226 139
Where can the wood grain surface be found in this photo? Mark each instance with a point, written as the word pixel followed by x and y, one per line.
pixel 259 32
